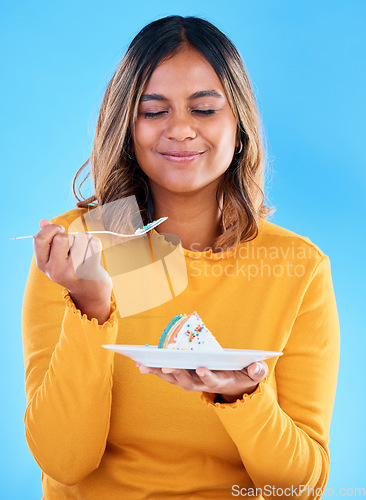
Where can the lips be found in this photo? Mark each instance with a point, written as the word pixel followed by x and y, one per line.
pixel 181 153
pixel 181 156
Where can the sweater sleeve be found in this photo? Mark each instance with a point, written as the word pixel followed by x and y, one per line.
pixel 283 438
pixel 68 380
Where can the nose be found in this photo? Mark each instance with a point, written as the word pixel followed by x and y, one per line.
pixel 180 126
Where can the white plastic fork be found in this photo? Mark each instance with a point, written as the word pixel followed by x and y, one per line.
pixel 138 232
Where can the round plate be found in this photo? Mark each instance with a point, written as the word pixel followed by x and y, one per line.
pixel 228 359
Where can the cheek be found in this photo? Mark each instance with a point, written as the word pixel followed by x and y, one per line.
pixel 224 138
pixel 145 135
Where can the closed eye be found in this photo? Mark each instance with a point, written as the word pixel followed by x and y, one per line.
pixel 205 111
pixel 199 111
pixel 152 115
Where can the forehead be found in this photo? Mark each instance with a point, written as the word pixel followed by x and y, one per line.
pixel 184 73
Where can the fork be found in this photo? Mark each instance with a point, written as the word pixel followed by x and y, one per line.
pixel 138 232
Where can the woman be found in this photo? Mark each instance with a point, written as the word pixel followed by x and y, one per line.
pixel 179 129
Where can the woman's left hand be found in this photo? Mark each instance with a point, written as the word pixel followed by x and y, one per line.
pixel 230 384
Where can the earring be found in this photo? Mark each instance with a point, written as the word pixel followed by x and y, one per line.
pixel 240 149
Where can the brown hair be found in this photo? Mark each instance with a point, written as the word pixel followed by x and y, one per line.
pixel 116 173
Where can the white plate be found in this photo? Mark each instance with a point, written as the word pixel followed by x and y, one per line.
pixel 228 359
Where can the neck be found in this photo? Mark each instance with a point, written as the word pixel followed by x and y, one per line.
pixel 194 217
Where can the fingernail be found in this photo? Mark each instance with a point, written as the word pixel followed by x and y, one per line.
pixel 167 370
pixel 61 228
pixel 258 369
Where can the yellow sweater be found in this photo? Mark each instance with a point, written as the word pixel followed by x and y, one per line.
pixel 99 429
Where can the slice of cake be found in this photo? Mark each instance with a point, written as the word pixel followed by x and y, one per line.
pixel 188 332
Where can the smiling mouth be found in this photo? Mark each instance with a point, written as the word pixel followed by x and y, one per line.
pixel 181 156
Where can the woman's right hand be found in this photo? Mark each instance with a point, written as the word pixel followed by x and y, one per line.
pixel 73 261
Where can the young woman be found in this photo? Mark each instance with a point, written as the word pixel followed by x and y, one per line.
pixel 179 129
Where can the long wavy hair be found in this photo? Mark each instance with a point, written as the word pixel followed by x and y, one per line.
pixel 115 172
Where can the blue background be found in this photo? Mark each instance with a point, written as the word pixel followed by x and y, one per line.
pixel 307 64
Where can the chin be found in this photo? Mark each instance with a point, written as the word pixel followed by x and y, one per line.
pixel 185 189
pixel 183 184
pixel 178 184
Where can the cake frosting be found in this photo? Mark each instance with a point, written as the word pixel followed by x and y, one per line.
pixel 188 332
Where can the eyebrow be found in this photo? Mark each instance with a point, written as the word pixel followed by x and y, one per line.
pixel 196 95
